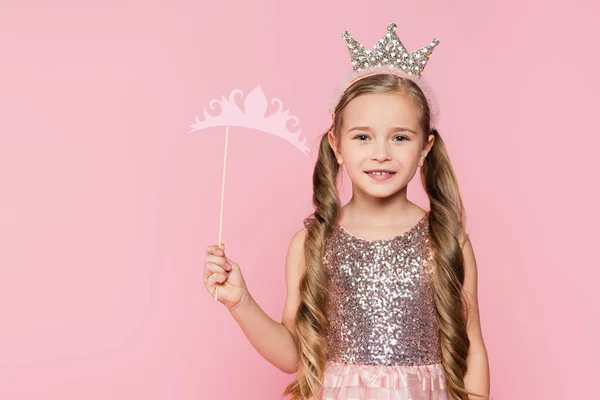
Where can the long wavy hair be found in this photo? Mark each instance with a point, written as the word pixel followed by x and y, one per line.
pixel 446 220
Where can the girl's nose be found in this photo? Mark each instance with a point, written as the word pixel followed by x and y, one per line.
pixel 381 152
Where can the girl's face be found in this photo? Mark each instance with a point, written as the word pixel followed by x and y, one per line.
pixel 380 131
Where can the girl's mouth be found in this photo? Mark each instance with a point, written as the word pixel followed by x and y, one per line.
pixel 380 175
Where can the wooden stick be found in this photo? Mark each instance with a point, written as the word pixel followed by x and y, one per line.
pixel 223 187
pixel 222 201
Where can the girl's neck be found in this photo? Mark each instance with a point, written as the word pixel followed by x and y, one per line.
pixel 381 212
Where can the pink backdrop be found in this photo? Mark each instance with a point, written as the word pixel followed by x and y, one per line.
pixel 107 204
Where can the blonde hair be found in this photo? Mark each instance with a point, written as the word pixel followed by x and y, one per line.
pixel 446 221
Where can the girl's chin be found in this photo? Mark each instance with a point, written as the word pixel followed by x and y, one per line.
pixel 381 191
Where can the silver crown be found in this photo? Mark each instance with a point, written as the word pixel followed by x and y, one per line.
pixel 389 51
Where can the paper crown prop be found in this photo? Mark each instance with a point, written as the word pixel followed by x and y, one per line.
pixel 253 116
pixel 388 56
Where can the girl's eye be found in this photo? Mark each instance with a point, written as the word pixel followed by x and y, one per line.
pixel 399 136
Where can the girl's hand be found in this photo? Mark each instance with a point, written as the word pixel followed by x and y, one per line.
pixel 219 270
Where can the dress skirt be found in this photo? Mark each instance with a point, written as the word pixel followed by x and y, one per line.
pixel 383 382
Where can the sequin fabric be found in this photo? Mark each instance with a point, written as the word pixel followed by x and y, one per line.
pixel 381 309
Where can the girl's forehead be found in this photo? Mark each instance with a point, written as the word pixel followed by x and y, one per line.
pixel 379 110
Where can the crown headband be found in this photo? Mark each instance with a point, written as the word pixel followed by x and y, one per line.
pixel 388 56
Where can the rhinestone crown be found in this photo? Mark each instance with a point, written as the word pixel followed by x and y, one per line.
pixel 389 51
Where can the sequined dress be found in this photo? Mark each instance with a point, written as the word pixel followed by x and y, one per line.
pixel 382 333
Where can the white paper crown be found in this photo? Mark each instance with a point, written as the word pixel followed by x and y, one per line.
pixel 253 116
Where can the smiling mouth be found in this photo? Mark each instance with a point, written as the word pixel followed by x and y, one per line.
pixel 380 172
pixel 380 176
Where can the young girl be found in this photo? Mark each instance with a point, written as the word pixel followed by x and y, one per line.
pixel 381 294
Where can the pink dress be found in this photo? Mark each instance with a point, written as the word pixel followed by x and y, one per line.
pixel 382 333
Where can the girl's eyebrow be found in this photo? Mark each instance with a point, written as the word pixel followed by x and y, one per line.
pixel 394 129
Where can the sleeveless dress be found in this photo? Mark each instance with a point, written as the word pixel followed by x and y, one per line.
pixel 382 333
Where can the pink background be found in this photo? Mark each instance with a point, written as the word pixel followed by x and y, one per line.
pixel 107 204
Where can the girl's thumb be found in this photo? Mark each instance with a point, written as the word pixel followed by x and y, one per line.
pixel 227 258
pixel 233 264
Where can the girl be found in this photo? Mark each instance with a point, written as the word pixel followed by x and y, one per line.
pixel 381 294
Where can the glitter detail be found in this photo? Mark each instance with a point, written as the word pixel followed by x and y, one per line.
pixel 389 50
pixel 381 309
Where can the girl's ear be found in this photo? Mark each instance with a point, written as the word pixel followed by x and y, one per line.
pixel 426 150
pixel 333 144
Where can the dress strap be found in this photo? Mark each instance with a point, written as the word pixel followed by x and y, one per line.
pixel 306 223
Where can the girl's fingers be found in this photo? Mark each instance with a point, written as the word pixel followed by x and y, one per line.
pixel 216 260
pixel 212 269
pixel 216 250
pixel 216 278
pixel 220 278
pixel 220 261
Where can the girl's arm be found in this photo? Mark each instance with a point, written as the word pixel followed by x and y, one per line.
pixel 273 340
pixel 477 378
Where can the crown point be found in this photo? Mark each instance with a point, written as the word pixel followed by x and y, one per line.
pixel 389 50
